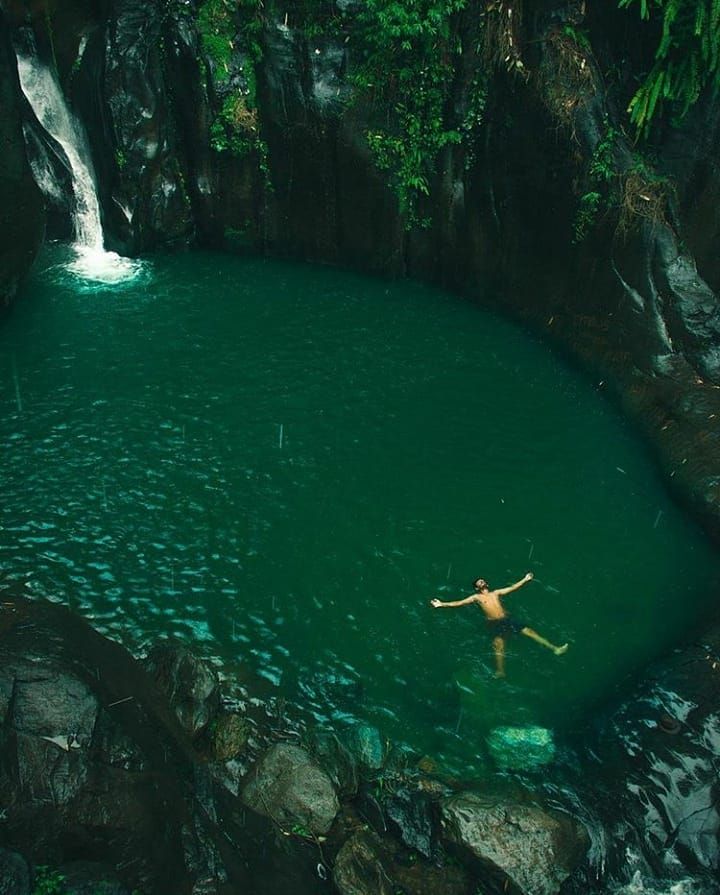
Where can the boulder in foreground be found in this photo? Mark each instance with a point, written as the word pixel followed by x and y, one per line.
pixel 289 788
pixel 528 849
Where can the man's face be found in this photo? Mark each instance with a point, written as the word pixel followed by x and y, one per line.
pixel 481 584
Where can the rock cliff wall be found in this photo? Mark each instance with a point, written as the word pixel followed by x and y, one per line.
pixel 21 211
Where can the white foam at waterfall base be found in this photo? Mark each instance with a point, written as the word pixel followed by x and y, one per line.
pixel 639 886
pixel 91 263
pixel 96 266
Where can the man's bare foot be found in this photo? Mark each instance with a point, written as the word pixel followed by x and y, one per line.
pixel 499 674
pixel 561 650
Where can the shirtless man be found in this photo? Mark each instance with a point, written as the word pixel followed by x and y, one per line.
pixel 502 625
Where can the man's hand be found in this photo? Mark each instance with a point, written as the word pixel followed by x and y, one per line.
pixel 528 576
pixel 435 602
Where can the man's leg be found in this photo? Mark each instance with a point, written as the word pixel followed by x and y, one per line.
pixel 533 635
pixel 499 650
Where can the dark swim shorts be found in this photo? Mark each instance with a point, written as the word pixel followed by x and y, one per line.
pixel 501 627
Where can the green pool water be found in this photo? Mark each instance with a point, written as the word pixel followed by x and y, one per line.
pixel 282 465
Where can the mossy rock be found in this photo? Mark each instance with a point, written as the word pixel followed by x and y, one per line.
pixel 229 736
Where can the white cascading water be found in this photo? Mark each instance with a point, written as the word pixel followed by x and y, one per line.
pixel 43 92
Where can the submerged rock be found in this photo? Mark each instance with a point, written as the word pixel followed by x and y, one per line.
pixel 521 748
pixel 523 846
pixel 290 789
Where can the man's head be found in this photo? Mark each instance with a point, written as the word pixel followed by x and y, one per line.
pixel 480 585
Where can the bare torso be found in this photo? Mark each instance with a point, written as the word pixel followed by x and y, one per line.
pixel 489 602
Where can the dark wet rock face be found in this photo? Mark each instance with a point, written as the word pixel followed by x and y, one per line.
pixel 663 744
pixel 628 299
pixel 22 216
pixel 14 874
pixel 411 813
pixel 58 780
pixel 150 202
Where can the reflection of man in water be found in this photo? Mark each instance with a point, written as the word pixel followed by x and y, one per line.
pixel 502 625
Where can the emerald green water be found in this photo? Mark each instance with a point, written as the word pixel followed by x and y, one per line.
pixel 283 464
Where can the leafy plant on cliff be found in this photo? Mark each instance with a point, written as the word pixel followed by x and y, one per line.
pixel 48 882
pixel 687 57
pixel 216 22
pixel 629 186
pixel 410 47
pixel 586 214
pixel 602 173
pixel 223 25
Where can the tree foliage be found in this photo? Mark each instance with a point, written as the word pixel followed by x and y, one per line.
pixel 686 58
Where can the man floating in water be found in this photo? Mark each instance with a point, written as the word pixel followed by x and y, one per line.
pixel 501 623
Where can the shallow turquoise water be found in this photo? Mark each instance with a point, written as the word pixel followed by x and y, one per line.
pixel 283 464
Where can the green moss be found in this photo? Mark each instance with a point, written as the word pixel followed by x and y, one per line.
pixel 235 128
pixel 216 22
pixel 229 28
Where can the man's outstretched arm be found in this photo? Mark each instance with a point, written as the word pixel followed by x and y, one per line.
pixel 501 591
pixel 438 604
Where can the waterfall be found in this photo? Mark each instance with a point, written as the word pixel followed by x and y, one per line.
pixel 43 92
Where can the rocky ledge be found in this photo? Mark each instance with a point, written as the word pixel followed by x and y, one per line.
pixel 119 776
